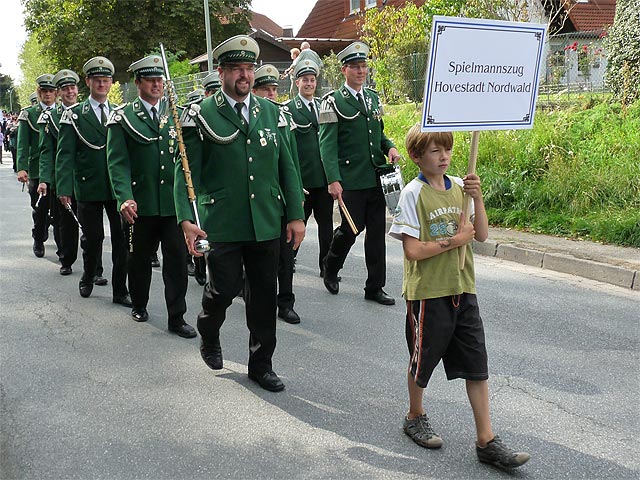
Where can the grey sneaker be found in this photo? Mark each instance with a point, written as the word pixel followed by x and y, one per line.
pixel 498 454
pixel 421 432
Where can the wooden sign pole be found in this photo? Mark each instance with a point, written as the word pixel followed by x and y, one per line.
pixel 473 155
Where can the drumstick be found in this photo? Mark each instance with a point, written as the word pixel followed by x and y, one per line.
pixel 346 214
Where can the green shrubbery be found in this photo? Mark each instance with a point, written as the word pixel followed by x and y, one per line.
pixel 576 173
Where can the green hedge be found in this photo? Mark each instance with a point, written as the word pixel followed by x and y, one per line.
pixel 575 174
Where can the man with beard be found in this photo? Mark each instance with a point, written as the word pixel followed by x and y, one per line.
pixel 242 176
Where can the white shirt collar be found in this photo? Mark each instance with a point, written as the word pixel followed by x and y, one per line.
pixel 233 102
pixel 307 102
pixel 96 104
pixel 354 92
pixel 148 106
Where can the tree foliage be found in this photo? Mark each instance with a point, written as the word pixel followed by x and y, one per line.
pixel 8 96
pixel 395 33
pixel 331 70
pixel 33 62
pixel 623 46
pixel 126 30
pixel 399 36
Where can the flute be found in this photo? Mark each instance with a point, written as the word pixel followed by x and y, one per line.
pixel 70 210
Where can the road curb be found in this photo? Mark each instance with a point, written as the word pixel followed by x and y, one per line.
pixel 602 272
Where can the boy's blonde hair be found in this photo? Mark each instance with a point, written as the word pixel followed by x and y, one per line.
pixel 416 141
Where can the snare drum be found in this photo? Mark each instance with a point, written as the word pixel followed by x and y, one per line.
pixel 392 184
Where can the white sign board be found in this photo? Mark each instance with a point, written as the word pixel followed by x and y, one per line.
pixel 482 74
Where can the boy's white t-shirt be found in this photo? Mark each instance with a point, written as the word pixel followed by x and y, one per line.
pixel 432 215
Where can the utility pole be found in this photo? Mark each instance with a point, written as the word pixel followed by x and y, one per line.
pixel 207 26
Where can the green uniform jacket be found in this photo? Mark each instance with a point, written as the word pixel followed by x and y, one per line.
pixel 242 175
pixel 141 157
pixel 287 128
pixel 307 134
pixel 352 141
pixel 49 123
pixel 28 138
pixel 81 163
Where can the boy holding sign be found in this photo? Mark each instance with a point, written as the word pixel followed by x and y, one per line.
pixel 443 320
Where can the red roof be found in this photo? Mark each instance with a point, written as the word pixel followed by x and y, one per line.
pixel 333 19
pixel 592 15
pixel 323 19
pixel 262 22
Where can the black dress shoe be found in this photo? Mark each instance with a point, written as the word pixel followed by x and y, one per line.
pixel 85 288
pixel 140 314
pixel 211 353
pixel 289 315
pixel 124 300
pixel 322 275
pixel 100 280
pixel 191 269
pixel 267 380
pixel 331 283
pixel 380 296
pixel 185 330
pixel 154 260
pixel 38 249
pixel 65 271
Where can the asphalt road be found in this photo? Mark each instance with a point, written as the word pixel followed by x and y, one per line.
pixel 88 393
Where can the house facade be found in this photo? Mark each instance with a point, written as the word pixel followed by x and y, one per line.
pixel 576 58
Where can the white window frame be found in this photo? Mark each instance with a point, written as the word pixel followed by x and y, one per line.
pixel 353 9
pixel 370 4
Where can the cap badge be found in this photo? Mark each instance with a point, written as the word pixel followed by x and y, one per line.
pixel 243 42
pixel 100 62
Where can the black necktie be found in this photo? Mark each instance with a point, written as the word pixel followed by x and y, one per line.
pixel 361 100
pixel 103 115
pixel 239 106
pixel 154 114
pixel 313 110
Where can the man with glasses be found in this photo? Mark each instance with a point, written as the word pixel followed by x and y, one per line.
pixel 242 176
pixel 28 153
pixel 141 150
pixel 81 169
pixel 353 148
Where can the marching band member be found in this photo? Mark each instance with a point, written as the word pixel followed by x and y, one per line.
pixel 65 229
pixel 266 86
pixel 28 152
pixel 141 151
pixel 245 181
pixel 81 169
pixel 304 110
pixel 353 146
